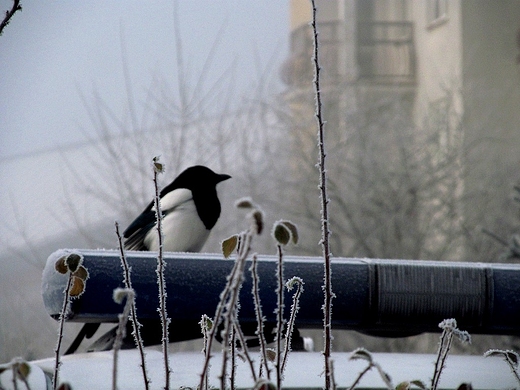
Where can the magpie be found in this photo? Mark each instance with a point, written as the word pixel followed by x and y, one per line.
pixel 190 207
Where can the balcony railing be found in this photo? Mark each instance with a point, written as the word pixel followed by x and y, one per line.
pixel 384 50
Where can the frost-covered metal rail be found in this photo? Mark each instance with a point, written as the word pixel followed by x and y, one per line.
pixel 375 296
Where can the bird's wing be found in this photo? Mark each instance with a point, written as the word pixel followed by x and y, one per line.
pixel 135 233
pixel 174 199
pixel 139 228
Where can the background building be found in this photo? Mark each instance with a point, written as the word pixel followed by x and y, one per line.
pixel 422 106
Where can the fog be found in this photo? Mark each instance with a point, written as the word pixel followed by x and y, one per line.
pixel 56 55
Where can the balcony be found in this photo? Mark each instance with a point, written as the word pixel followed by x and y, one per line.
pixel 384 53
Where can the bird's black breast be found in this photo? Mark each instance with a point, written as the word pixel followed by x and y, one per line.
pixel 207 205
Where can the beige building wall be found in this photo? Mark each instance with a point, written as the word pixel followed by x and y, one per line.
pixel 465 90
pixel 438 46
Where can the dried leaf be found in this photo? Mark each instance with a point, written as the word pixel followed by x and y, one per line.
pixel 229 245
pixel 244 203
pixel 157 166
pixel 281 233
pixel 512 357
pixel 60 265
pixel 294 231
pixel 209 323
pixel 81 273
pixel 264 384
pixel 403 386
pixel 271 354
pixel 361 353
pixel 73 261
pixel 78 287
pixel 258 220
pixel 420 384
pixel 23 370
pixel 119 294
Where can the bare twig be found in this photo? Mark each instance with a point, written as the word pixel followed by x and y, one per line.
pixel 20 370
pixel 292 319
pixel 70 264
pixel 165 321
pixel 363 354
pixel 449 329
pixel 63 315
pixel 9 14
pixel 233 352
pixel 119 295
pixel 360 375
pixel 511 358
pixel 224 297
pixel 136 333
pixel 279 317
pixel 229 315
pixel 259 316
pixel 245 350
pixel 325 230
pixel 205 325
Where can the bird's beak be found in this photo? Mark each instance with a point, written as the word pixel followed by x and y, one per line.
pixel 223 177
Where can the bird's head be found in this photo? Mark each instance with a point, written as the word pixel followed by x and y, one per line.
pixel 199 176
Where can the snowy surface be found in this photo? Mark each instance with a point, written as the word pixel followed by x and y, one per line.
pixel 94 370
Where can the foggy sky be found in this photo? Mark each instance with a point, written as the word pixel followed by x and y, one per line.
pixel 55 51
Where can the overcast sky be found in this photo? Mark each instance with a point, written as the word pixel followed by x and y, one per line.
pixel 54 51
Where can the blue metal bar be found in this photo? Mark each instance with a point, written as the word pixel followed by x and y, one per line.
pixel 381 297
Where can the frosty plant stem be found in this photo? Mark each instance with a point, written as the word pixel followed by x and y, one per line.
pixel 165 321
pixel 363 354
pixel 214 326
pixel 72 264
pixel 133 311
pixel 511 358
pixel 284 232
pixel 279 317
pixel 325 230
pixel 295 280
pixel 226 308
pixel 119 295
pixel 205 325
pixel 259 316
pixel 63 314
pixel 230 314
pixel 449 329
pixel 245 350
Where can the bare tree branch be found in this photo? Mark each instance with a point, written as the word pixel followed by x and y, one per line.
pixel 9 14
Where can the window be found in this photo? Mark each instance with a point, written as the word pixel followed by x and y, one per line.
pixel 436 12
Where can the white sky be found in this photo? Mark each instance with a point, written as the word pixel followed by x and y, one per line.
pixel 54 51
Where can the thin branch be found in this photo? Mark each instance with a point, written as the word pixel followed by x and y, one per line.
pixel 230 314
pixel 133 310
pixel 259 316
pixel 325 230
pixel 292 319
pixel 63 315
pixel 243 251
pixel 279 317
pixel 245 350
pixel 165 321
pixel 119 295
pixel 9 14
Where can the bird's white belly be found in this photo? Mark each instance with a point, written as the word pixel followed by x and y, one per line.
pixel 183 231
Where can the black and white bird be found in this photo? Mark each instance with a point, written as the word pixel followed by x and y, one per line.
pixel 190 208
